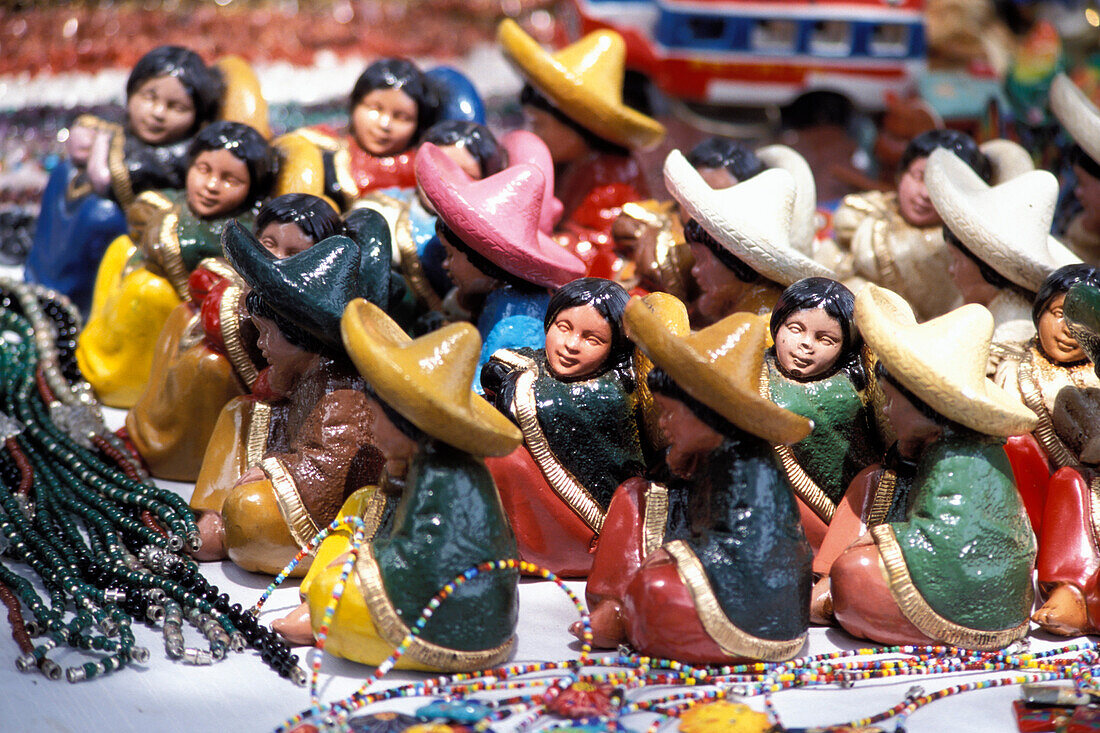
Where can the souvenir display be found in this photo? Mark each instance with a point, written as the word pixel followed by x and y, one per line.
pixel 676 571
pixel 577 403
pixel 1081 119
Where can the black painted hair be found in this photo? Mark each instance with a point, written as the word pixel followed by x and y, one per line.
pixel 313 215
pixel 202 83
pixel 722 152
pixel 1078 156
pixel 475 139
pixel 482 263
pixel 398 73
pixel 530 95
pixel 990 275
pixel 838 302
pixel 661 383
pixel 1059 282
pixel 247 146
pixel 609 299
pixel 957 142
pixel 694 232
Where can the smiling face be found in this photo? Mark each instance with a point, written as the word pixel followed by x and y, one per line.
pixel 384 121
pixel 160 111
pixel 1054 335
pixel 284 239
pixel 217 184
pixel 914 203
pixel 287 362
pixel 578 342
pixel 808 343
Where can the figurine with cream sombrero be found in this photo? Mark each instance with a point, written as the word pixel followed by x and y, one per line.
pixel 677 569
pixel 573 101
pixel 1081 119
pixel 938 548
pixel 740 239
pixel 282 460
pixel 502 264
pixel 434 433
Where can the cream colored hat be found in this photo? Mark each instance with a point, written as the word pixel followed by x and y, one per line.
pixel 942 361
pixel 1006 226
pixel 1077 114
pixel 1009 159
pixel 752 220
pixel 804 215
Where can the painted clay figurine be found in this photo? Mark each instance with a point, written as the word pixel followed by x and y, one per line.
pixel 1081 119
pixel 739 238
pixel 575 402
pixel 231 170
pixel 816 369
pixel 281 462
pixel 206 354
pixel 936 548
pixel 433 432
pixel 501 263
pixel 677 569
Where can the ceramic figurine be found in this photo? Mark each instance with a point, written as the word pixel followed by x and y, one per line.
pixel 433 432
pixel 998 241
pixel 231 170
pixel 281 461
pixel 740 239
pixel 816 369
pixel 206 353
pixel 677 569
pixel 934 546
pixel 1081 119
pixel 575 402
pixel 649 237
pixel 573 101
pixel 501 263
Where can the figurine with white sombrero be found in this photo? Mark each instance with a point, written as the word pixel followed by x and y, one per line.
pixel 944 552
pixel 740 238
pixel 1081 119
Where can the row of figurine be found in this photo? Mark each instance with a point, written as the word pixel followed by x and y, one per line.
pixel 435 362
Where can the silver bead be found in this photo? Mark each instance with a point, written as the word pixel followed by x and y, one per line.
pixel 140 654
pixel 26 663
pixel 193 655
pixel 75 674
pixel 155 613
pixel 114 595
pixel 175 542
pixel 237 642
pixel 298 677
pixel 50 670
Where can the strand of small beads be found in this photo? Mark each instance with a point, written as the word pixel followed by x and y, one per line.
pixel 78 511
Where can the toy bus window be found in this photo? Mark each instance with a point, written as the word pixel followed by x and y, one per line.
pixel 706 29
pixel 889 39
pixel 774 35
pixel 831 38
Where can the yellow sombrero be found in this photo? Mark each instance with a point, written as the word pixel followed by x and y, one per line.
pixel 427 380
pixel 585 81
pixel 719 366
pixel 942 361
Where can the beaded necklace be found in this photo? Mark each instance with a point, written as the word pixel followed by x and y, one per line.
pixel 78 510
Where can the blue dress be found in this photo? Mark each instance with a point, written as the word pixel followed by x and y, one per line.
pixel 511 319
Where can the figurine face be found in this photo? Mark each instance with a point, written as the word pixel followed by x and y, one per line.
pixel 468 280
pixel 577 342
pixel 688 438
pixel 1054 336
pixel 160 110
pixel 384 121
pixel 717 177
pixel 284 239
pixel 913 428
pixel 565 143
pixel 719 288
pixel 968 278
pixel 217 184
pixel 808 343
pixel 914 203
pixel 287 361
pixel 396 447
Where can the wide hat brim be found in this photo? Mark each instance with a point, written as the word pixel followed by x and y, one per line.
pixel 498 217
pixel 720 367
pixel 751 220
pixel 1077 114
pixel 575 96
pixel 427 380
pixel 942 361
pixel 804 212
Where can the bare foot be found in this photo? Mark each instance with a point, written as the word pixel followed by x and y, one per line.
pixel 821 603
pixel 1064 613
pixel 607 625
pixel 212 530
pixel 295 627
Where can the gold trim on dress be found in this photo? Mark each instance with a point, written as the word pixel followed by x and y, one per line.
pixel 301 525
pixel 341 164
pixel 732 640
pixel 393 630
pixel 889 276
pixel 173 258
pixel 229 314
pixel 258 425
pixel 121 184
pixel 410 260
pixel 923 616
pixel 372 513
pixel 656 517
pixel 1028 378
pixel 221 268
pixel 883 497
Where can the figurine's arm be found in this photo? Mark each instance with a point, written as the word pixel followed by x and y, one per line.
pixel 99 170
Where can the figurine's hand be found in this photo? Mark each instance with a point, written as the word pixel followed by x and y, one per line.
pixel 79 145
pixel 99 172
pixel 1076 419
pixel 251 475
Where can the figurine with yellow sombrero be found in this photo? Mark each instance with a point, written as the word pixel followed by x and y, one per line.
pixel 282 460
pixel 740 239
pixel 502 264
pixel 677 571
pixel 942 552
pixel 434 433
pixel 573 100
pixel 1081 119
